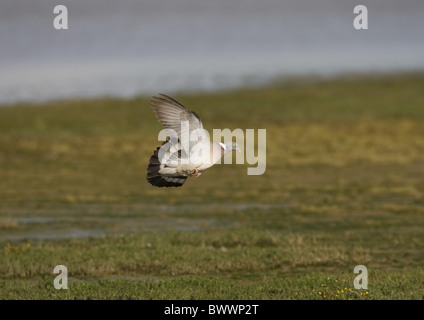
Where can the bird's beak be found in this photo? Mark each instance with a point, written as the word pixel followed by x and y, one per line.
pixel 238 149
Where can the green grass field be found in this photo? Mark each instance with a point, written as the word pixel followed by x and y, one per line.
pixel 344 186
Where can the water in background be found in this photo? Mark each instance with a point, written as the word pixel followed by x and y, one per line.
pixel 132 47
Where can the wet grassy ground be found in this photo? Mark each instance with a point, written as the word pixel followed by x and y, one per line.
pixel 344 186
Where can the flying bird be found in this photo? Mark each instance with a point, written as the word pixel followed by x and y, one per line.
pixel 187 151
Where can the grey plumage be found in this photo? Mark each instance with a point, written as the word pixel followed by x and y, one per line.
pixel 170 113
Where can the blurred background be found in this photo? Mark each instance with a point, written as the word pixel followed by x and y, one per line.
pixel 344 119
pixel 140 47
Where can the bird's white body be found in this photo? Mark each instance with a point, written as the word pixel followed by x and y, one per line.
pixel 198 160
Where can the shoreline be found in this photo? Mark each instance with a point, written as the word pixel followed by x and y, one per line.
pixel 280 81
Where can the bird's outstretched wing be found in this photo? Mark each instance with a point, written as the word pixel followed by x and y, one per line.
pixel 174 117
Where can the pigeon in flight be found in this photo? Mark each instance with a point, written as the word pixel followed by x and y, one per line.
pixel 188 150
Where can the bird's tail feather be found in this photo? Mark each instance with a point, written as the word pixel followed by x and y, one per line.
pixel 158 180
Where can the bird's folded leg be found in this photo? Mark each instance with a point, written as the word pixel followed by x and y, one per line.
pixel 195 173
